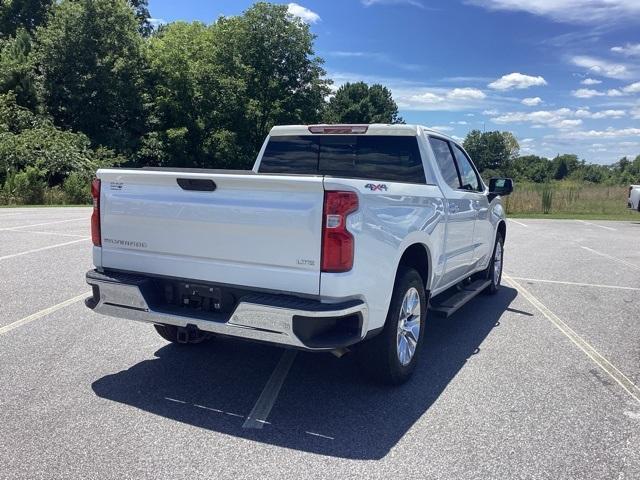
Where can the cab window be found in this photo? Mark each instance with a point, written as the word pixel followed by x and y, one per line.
pixel 445 161
pixel 468 175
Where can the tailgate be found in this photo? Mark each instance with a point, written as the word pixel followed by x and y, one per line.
pixel 253 230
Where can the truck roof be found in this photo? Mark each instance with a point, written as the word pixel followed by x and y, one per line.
pixel 372 129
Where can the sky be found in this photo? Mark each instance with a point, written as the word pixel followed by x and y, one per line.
pixel 562 75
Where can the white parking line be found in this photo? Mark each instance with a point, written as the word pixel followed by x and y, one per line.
pixel 515 221
pixel 267 399
pixel 38 232
pixel 42 313
pixel 596 225
pixel 8 229
pixel 43 248
pixel 595 285
pixel 589 350
pixel 624 262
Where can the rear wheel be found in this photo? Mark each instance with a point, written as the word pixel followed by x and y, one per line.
pixel 174 334
pixel 391 356
pixel 494 271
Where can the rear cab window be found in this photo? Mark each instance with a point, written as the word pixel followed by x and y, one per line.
pixel 371 157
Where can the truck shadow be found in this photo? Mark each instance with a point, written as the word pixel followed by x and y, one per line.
pixel 326 406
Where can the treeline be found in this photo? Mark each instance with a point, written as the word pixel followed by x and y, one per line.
pixel 85 83
pixel 497 154
pixel 90 83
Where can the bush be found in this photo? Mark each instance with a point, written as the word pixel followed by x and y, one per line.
pixel 77 189
pixel 547 197
pixel 28 186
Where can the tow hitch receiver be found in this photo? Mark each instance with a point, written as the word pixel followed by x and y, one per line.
pixel 188 334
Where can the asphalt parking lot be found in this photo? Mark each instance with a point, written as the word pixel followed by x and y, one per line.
pixel 539 381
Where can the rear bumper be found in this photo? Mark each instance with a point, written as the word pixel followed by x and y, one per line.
pixel 279 319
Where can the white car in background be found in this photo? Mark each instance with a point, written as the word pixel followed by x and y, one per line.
pixel 634 197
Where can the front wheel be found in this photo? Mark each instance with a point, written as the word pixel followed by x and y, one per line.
pixel 391 356
pixel 494 271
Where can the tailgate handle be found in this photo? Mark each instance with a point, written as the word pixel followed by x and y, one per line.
pixel 197 184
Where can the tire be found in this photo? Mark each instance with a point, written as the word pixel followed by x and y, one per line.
pixel 170 333
pixel 383 358
pixel 492 273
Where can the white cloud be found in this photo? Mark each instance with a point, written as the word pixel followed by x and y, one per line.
pixel 633 88
pixel 612 92
pixel 466 94
pixel 303 13
pixel 586 93
pixel 608 133
pixel 628 50
pixel 635 113
pixel 491 112
pixel 601 67
pixel 561 118
pixel 570 11
pixel 609 114
pixel 586 113
pixel 590 81
pixel 156 22
pixel 413 3
pixel 516 81
pixel 531 101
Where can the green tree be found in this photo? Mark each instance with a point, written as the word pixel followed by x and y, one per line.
pixel 361 103
pixel 199 99
pixel 219 89
pixel 91 63
pixel 17 70
pixel 141 12
pixel 27 14
pixel 284 79
pixel 31 141
pixel 491 150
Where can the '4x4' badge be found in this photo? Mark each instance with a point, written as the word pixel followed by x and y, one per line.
pixel 374 187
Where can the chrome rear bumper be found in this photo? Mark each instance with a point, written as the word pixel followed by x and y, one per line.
pixel 278 319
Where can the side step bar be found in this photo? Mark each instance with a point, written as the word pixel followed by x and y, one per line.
pixel 448 305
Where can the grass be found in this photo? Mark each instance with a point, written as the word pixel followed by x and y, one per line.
pixel 569 200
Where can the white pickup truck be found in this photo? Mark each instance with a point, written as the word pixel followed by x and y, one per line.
pixel 341 237
pixel 634 197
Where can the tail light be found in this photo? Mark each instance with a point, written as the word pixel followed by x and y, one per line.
pixel 337 241
pixel 95 216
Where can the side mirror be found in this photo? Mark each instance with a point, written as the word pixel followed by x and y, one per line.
pixel 500 187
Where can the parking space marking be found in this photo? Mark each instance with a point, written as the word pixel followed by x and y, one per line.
pixel 42 313
pixel 624 262
pixel 267 399
pixel 35 250
pixel 579 284
pixel 38 232
pixel 8 229
pixel 582 344
pixel 515 221
pixel 596 225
